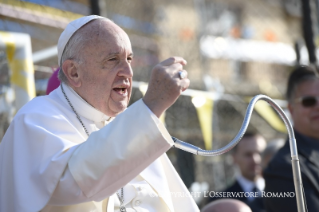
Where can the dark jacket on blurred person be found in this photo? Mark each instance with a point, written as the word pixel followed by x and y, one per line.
pixel 257 205
pixel 235 187
pixel 279 177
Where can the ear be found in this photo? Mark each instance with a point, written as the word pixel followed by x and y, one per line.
pixel 71 71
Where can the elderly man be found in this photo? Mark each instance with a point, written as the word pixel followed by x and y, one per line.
pixel 67 152
pixel 302 97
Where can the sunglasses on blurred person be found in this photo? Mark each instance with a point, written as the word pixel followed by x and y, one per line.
pixel 308 101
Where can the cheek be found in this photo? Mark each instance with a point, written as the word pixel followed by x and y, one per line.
pixel 302 116
pixel 242 160
pixel 105 90
pixel 101 81
pixel 298 113
pixel 90 78
pixel 249 160
pixel 130 93
pixel 98 88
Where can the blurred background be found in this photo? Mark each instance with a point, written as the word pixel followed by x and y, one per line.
pixel 235 50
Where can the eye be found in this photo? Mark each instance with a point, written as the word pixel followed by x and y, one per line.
pixel 129 59
pixel 113 59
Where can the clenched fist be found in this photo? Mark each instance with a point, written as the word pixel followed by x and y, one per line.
pixel 166 85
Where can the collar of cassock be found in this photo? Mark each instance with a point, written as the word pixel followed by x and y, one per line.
pixel 83 108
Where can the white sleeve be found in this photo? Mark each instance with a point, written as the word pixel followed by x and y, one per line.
pixel 112 156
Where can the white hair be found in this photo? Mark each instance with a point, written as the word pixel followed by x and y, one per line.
pixel 72 51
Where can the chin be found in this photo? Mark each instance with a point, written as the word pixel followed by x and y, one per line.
pixel 113 113
pixel 115 108
pixel 117 111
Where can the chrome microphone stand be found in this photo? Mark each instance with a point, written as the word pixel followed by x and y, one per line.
pixel 292 142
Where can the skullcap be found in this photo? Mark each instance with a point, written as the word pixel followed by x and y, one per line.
pixel 70 29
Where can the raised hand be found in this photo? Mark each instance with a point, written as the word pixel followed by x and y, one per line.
pixel 166 84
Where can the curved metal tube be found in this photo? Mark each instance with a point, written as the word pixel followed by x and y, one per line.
pixel 292 142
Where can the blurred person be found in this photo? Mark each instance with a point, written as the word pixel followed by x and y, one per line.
pixel 53 82
pixel 257 205
pixel 80 148
pixel 247 157
pixel 302 96
pixel 226 205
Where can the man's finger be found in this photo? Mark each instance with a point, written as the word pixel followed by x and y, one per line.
pixel 182 74
pixel 185 84
pixel 173 60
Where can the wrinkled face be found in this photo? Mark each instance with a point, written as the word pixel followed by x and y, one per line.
pixel 248 156
pixel 306 119
pixel 105 68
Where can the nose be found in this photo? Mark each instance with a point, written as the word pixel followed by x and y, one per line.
pixel 126 70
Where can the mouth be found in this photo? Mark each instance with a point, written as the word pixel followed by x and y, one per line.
pixel 121 90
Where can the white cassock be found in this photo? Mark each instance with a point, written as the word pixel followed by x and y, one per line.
pixel 48 163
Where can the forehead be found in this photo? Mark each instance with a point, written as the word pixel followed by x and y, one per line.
pixel 253 143
pixel 104 35
pixel 308 88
